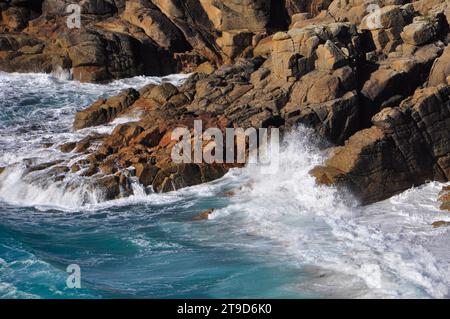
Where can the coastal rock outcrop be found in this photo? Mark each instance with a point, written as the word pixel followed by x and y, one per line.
pixel 406 146
pixel 371 77
pixel 104 111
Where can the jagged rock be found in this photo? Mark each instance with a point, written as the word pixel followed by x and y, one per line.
pixel 204 215
pixel 397 77
pixel 155 24
pixel 329 57
pixel 445 198
pixel 146 173
pixel 162 93
pixel 335 120
pixel 110 186
pixel 176 177
pixel 421 31
pixel 150 137
pixel 205 67
pixel 104 111
pixel 122 135
pixel 385 26
pixel 68 147
pixel 294 52
pixel 407 146
pixel 441 69
pixel 349 72
pixel 83 145
pixel 440 223
pixel 231 15
pixel 233 43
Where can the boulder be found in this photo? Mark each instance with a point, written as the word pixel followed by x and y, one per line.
pixel 397 77
pixel 440 223
pixel 204 215
pixel 253 15
pixel 421 31
pixel 233 43
pixel 146 173
pixel 155 24
pixel 444 198
pixel 103 111
pixel 407 146
pixel 441 69
pixel 329 57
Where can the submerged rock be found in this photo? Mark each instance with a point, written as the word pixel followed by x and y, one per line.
pixel 204 215
pixel 104 111
pixel 440 224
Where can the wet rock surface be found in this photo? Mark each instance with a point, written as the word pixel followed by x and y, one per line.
pixel 444 198
pixel 373 83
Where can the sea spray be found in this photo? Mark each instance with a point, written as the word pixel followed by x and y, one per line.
pixel 325 227
pixel 283 233
pixel 37 119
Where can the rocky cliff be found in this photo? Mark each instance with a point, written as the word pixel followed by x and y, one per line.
pixel 371 77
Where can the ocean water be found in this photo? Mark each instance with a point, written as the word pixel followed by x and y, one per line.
pixel 280 236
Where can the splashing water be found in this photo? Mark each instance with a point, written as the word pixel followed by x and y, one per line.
pixel 37 118
pixel 281 235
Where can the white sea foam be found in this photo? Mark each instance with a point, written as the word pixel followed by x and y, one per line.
pixel 38 112
pixel 387 249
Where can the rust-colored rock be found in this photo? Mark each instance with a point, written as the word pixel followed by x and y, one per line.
pixel 440 223
pixel 104 111
pixel 204 215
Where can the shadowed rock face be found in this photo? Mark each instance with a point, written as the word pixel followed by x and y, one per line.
pixel 375 84
pixel 407 145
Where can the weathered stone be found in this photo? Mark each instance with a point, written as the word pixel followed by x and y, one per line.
pixel 329 57
pixel 104 111
pixel 204 215
pixel 420 32
pixel 155 25
pixel 146 173
pixel 440 223
pixel 109 185
pixel 407 146
pixel 162 93
pixel 233 43
pixel 444 198
pixel 441 69
pixel 68 147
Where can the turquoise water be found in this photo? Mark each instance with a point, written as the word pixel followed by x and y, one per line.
pixel 281 236
pixel 151 249
pixel 132 251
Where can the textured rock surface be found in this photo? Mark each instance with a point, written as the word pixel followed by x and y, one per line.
pixel 407 145
pixel 445 198
pixel 371 77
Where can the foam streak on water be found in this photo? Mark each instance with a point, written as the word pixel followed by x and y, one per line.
pixel 282 233
pixel 388 248
pixel 37 116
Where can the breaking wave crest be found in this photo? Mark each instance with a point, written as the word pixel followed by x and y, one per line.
pixel 37 116
pixel 386 249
